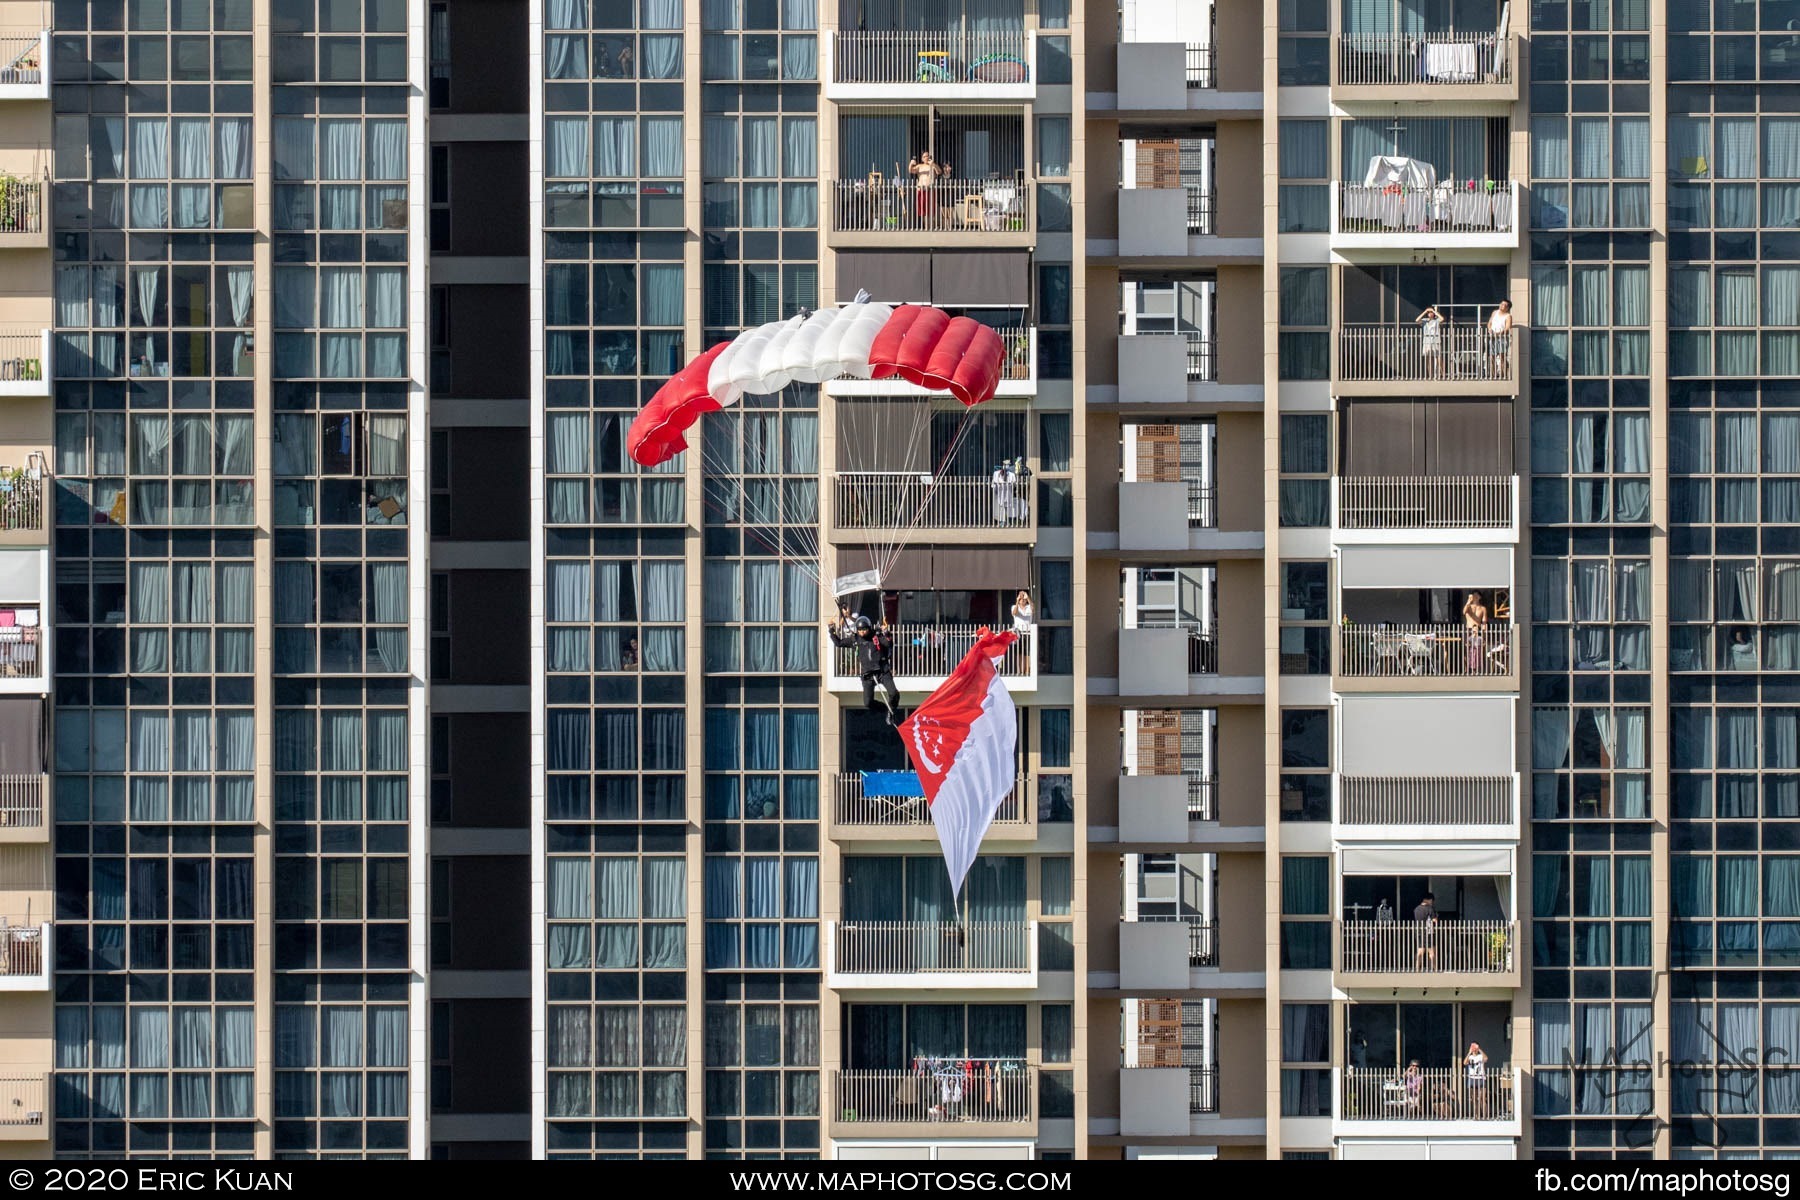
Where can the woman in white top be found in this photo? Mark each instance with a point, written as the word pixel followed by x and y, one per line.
pixel 1499 339
pixel 1001 481
pixel 1475 1061
pixel 1022 614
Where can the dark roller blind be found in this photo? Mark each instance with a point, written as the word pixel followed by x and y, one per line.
pixel 911 572
pixel 971 569
pixel 982 278
pixel 21 736
pixel 1470 437
pixel 901 277
pixel 883 434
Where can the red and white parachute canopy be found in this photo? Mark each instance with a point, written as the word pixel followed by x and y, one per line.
pixel 863 340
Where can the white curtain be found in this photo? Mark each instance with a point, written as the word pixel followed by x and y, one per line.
pixel 613 146
pixel 662 147
pixel 387 149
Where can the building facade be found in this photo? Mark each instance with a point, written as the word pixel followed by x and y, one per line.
pixel 1389 447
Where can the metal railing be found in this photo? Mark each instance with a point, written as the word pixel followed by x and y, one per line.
pixel 851 807
pixel 932 947
pixel 1202 796
pixel 22 503
pixel 930 56
pixel 1203 646
pixel 1370 353
pixel 22 1101
pixel 1200 208
pixel 1425 502
pixel 1020 342
pixel 22 801
pixel 1451 59
pixel 1202 359
pixel 1200 70
pixel 21 352
pixel 932 650
pixel 1425 650
pixel 1405 947
pixel 1477 800
pixel 21 950
pixel 1428 1094
pixel 902 500
pixel 956 206
pixel 21 58
pixel 1203 504
pixel 995 1091
pixel 1203 1089
pixel 1469 206
pixel 1203 937
pixel 22 203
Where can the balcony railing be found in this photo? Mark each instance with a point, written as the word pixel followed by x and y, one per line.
pixel 1469 206
pixel 1203 938
pixel 931 947
pixel 19 644
pixel 1404 354
pixel 1366 650
pixel 930 56
pixel 1202 361
pixel 1200 72
pixel 910 500
pixel 1200 208
pixel 22 203
pixel 993 1091
pixel 22 801
pixel 1425 502
pixel 1427 947
pixel 21 950
pixel 1202 796
pixel 1203 1090
pixel 1478 800
pixel 21 354
pixel 22 1107
pixel 930 651
pixel 1451 59
pixel 22 58
pixel 853 808
pixel 951 206
pixel 1203 646
pixel 1430 1094
pixel 1203 504
pixel 22 503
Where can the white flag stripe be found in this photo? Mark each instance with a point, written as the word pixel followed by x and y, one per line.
pixel 978 781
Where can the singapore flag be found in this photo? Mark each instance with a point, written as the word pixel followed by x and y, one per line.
pixel 963 741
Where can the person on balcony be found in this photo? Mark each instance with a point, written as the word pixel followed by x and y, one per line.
pixel 926 173
pixel 1475 620
pixel 1002 481
pixel 1499 337
pixel 1022 614
pixel 874 648
pixel 1425 928
pixel 1431 324
pixel 1475 1063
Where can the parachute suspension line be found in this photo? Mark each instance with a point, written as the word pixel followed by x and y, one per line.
pixel 772 520
pixel 956 441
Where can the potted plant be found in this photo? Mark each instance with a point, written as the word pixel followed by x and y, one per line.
pixel 849 1114
pixel 1497 950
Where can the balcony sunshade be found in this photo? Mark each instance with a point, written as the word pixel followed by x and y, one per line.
pixel 1428 861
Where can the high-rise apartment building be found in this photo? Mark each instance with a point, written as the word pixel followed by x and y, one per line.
pixel 1397 442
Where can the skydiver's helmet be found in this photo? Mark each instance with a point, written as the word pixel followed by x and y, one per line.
pixel 864 625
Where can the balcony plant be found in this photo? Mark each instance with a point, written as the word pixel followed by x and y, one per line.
pixel 1496 950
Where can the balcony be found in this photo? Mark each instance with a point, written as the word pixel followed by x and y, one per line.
pixel 1161 1101
pixel 931 954
pixel 1476 806
pixel 24 354
pixel 1202 937
pixel 1426 507
pixel 1390 68
pixel 1444 953
pixel 877 212
pixel 880 506
pixel 1175 225
pixel 25 955
pixel 1467 215
pixel 1171 516
pixel 1157 955
pixel 901 1102
pixel 24 507
pixel 22 809
pixel 24 210
pixel 1170 79
pixel 21 643
pixel 925 654
pixel 1199 63
pixel 1438 1095
pixel 24 1109
pixel 25 64
pixel 929 66
pixel 1444 657
pixel 854 813
pixel 1160 371
pixel 1158 808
